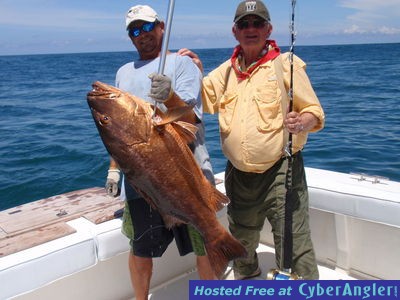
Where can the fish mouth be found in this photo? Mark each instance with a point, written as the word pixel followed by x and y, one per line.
pixel 97 100
pixel 102 91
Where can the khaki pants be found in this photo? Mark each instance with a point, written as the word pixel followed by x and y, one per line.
pixel 256 197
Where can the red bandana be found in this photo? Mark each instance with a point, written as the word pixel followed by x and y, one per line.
pixel 268 55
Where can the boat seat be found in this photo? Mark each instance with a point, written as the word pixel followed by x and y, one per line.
pixel 359 196
pixel 109 239
pixel 35 267
pixel 352 217
pixel 45 240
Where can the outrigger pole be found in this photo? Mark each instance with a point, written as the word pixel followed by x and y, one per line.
pixel 285 271
pixel 164 47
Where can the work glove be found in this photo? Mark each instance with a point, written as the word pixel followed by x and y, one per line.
pixel 161 89
pixel 112 182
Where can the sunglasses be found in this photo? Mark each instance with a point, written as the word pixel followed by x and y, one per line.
pixel 244 24
pixel 146 27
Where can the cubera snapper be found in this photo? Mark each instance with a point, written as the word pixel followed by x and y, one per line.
pixel 153 153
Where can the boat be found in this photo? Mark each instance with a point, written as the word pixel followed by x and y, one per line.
pixel 70 246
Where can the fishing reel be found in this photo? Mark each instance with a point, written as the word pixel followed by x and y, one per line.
pixel 275 274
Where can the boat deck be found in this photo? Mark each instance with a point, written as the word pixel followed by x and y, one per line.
pixel 178 288
pixel 31 224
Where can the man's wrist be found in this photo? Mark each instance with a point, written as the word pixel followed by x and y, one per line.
pixel 170 95
pixel 114 174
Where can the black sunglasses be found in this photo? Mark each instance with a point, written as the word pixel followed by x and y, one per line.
pixel 146 27
pixel 244 24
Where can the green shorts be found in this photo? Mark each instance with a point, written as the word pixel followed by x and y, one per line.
pixel 148 235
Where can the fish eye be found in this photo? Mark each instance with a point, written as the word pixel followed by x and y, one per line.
pixel 104 120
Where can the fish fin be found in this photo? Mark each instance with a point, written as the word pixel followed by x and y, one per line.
pixel 186 131
pixel 174 114
pixel 170 221
pixel 217 200
pixel 223 250
pixel 146 197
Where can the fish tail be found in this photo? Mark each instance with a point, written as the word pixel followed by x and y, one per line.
pixel 223 250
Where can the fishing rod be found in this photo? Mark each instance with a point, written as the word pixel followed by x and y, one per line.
pixel 285 271
pixel 165 41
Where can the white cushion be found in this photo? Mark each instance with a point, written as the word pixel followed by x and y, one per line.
pixel 40 265
pixel 109 239
pixel 346 194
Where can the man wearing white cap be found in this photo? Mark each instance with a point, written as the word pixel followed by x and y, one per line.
pixel 180 85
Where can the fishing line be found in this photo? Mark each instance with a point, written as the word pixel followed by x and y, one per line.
pixel 147 231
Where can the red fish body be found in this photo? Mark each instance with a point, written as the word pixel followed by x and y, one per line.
pixel 156 160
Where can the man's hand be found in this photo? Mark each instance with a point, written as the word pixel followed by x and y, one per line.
pixel 112 182
pixel 293 123
pixel 296 123
pixel 161 89
pixel 195 58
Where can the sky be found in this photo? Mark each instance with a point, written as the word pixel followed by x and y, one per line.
pixel 73 26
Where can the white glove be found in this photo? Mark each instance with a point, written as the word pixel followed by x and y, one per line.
pixel 113 178
pixel 161 89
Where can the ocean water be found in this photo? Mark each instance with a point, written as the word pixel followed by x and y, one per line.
pixel 49 144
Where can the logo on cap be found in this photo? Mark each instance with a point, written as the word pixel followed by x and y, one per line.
pixel 135 11
pixel 251 6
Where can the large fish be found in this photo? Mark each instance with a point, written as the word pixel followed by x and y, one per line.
pixel 153 154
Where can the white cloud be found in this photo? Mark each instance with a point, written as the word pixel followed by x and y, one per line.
pixel 383 30
pixel 370 11
pixel 354 29
pixel 372 16
pixel 387 30
pixel 370 5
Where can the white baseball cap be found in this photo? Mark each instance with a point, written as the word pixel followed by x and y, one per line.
pixel 140 12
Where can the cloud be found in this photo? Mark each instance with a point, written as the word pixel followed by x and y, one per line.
pixel 372 17
pixel 370 5
pixel 354 29
pixel 370 11
pixel 389 31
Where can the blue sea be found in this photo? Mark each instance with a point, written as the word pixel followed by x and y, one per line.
pixel 49 144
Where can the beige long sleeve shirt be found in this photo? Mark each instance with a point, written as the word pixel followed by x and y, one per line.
pixel 251 111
